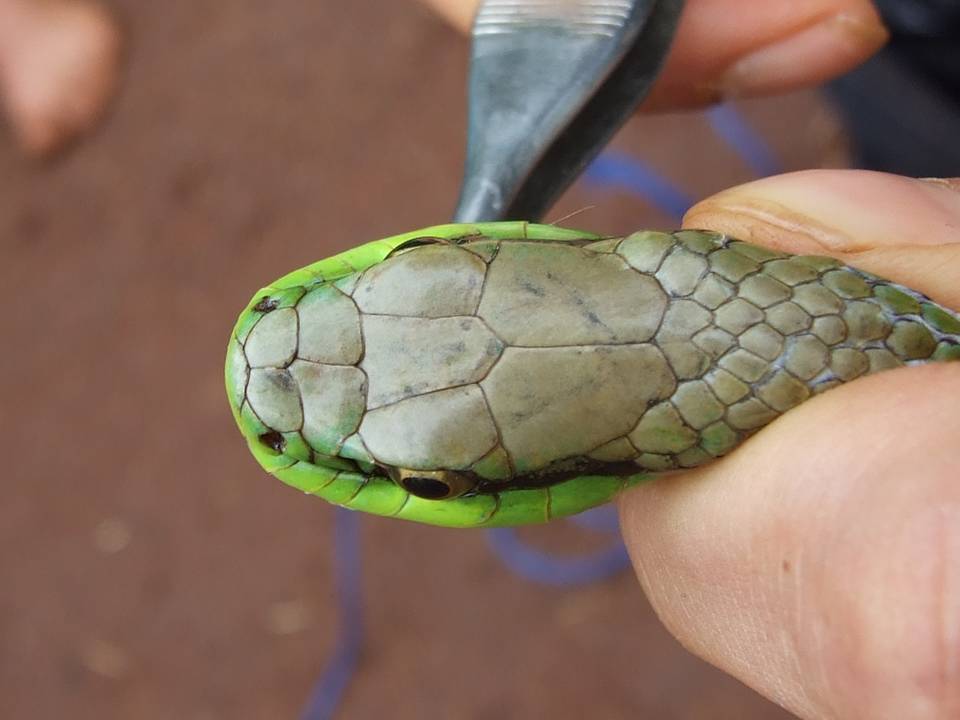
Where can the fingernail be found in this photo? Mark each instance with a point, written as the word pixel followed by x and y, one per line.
pixel 812 51
pixel 837 211
pixel 948 183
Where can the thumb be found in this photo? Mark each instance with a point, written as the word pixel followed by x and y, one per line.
pixel 820 562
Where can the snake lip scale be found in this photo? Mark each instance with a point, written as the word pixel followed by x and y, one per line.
pixel 510 373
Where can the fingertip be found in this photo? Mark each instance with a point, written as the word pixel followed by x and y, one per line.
pixel 736 48
pixel 458 13
pixel 808 563
pixel 811 55
pixel 899 228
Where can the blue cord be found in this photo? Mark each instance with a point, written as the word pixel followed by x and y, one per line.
pixel 732 127
pixel 611 170
pixel 548 569
pixel 601 519
pixel 614 170
pixel 328 691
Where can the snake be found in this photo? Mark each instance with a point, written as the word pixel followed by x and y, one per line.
pixel 509 373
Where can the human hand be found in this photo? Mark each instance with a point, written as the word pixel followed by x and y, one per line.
pixel 819 563
pixel 59 67
pixel 737 48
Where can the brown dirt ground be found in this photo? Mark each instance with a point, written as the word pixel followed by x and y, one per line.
pixel 148 569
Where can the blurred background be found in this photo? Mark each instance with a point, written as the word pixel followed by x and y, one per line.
pixel 148 568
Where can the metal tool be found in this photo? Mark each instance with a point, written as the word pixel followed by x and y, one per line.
pixel 550 83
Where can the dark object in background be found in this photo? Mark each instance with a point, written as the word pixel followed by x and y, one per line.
pixel 902 107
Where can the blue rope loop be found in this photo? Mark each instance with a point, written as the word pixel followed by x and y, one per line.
pixel 547 568
pixel 617 171
pixel 733 129
pixel 348 581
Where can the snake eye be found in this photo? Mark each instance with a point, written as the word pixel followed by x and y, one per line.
pixel 434 484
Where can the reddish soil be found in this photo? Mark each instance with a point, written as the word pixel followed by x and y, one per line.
pixel 148 568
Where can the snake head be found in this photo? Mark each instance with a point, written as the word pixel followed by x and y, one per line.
pixel 416 376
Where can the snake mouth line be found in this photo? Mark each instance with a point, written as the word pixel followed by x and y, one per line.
pixel 559 472
pixel 553 474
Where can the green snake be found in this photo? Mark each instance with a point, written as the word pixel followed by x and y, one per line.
pixel 509 373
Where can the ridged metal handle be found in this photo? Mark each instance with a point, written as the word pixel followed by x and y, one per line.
pixel 550 82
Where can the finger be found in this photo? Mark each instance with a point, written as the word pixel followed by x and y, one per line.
pixel 820 563
pixel 735 48
pixel 899 228
pixel 458 13
pixel 58 68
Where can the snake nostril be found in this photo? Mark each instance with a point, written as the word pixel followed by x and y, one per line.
pixel 273 440
pixel 266 304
